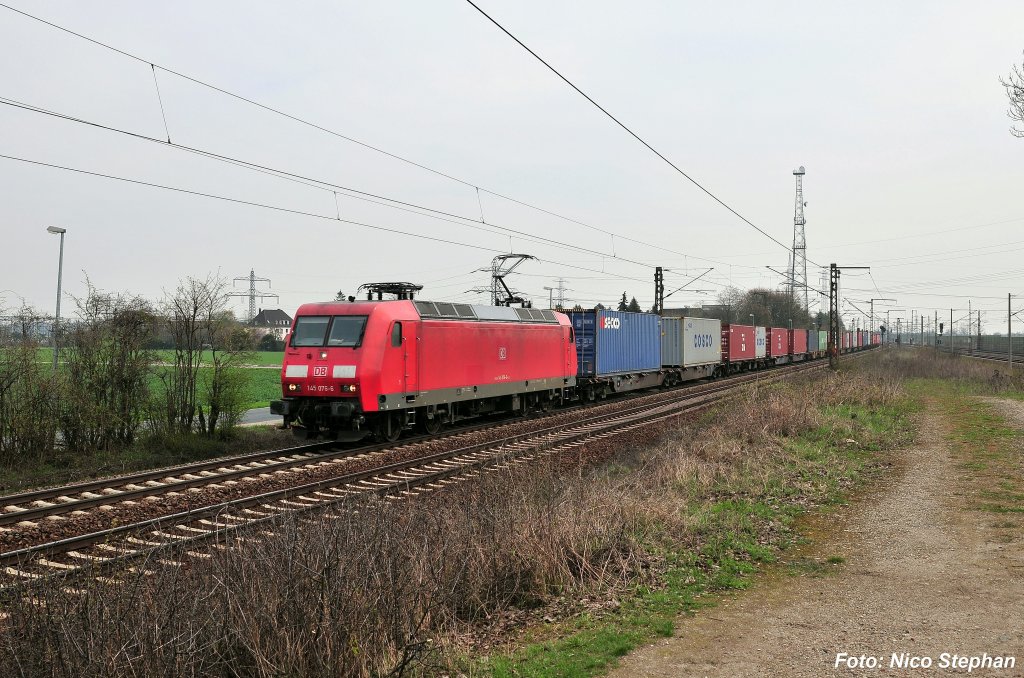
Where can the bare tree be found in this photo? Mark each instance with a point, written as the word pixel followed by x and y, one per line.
pixel 184 311
pixel 230 349
pixel 106 370
pixel 28 392
pixel 210 348
pixel 1014 85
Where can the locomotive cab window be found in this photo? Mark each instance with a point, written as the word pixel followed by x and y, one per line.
pixel 310 330
pixel 347 331
pixel 396 334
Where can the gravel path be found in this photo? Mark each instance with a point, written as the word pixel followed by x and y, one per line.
pixel 923 575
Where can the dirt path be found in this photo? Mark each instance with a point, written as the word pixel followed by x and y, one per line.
pixel 922 575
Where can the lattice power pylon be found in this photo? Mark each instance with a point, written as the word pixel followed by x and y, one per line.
pixel 253 294
pixel 798 258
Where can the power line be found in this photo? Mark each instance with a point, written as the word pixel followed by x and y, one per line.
pixel 294 118
pixel 239 201
pixel 628 130
pixel 297 212
pixel 313 182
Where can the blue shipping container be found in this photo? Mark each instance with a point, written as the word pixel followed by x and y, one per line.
pixel 615 342
pixel 812 342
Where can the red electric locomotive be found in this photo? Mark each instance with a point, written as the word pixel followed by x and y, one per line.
pixel 383 366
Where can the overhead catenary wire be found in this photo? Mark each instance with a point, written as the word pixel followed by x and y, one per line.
pixel 630 131
pixel 289 210
pixel 319 184
pixel 302 121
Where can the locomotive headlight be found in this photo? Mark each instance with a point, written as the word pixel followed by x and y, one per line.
pixel 323 355
pixel 293 387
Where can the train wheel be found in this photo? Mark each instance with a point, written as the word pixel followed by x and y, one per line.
pixel 433 426
pixel 388 428
pixel 303 433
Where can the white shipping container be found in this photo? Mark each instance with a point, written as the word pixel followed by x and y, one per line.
pixel 702 341
pixel 761 345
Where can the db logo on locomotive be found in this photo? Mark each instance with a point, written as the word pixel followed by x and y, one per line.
pixel 319 370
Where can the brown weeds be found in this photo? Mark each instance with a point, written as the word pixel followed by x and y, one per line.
pixel 380 586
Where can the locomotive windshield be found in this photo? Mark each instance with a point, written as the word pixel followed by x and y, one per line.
pixel 310 330
pixel 345 330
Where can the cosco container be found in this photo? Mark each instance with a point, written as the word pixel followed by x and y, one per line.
pixel 690 341
pixel 813 338
pixel 616 342
pixel 798 342
pixel 738 342
pixel 778 342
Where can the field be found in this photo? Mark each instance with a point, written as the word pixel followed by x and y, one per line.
pixel 264 382
pixel 259 358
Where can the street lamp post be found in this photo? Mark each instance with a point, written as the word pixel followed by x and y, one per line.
pixel 751 319
pixel 56 230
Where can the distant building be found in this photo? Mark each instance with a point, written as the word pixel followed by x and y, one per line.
pixel 271 321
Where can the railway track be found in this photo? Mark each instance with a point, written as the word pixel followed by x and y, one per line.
pixel 994 356
pixel 28 508
pixel 170 538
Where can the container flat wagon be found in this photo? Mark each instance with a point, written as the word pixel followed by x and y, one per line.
pixel 616 351
pixel 778 345
pixel 691 348
pixel 798 342
pixel 743 347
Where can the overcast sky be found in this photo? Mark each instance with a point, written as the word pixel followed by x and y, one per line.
pixel 895 109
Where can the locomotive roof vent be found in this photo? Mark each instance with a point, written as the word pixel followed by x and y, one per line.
pixel 450 311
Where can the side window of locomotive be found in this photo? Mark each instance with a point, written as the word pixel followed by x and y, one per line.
pixel 347 331
pixel 310 330
pixel 396 334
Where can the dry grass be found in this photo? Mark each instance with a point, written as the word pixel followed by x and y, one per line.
pixel 383 586
pixel 988 377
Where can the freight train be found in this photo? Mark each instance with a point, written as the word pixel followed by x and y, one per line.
pixel 383 367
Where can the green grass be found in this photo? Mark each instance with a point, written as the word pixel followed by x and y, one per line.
pixel 986 449
pixel 259 358
pixel 744 527
pixel 261 386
